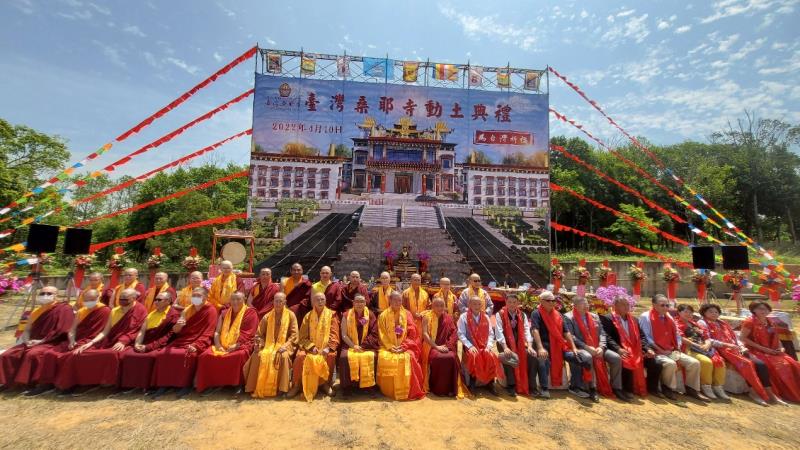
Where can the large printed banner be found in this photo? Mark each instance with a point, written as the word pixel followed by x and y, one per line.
pixel 406 140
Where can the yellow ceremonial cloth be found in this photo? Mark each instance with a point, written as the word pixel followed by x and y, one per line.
pixel 84 311
pixel 315 367
pixel 155 317
pixel 229 334
pixel 417 304
pixel 449 301
pixel 116 314
pixel 150 296
pixel 121 287
pixel 79 300
pixel 185 296
pixel 361 363
pixel 433 329
pixel 38 312
pixel 383 297
pixel 479 293
pixel 318 287
pixel 221 291
pixel 394 369
pixel 267 383
pixel 288 285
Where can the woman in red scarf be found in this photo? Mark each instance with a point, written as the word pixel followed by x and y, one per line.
pixel 696 342
pixel 760 335
pixel 724 340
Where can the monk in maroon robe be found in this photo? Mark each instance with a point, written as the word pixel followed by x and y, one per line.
pixel 331 289
pixel 262 293
pixel 298 292
pixel 47 327
pixel 136 364
pixel 221 365
pixel 89 321
pixel 441 366
pixel 175 364
pixel 358 334
pixel 349 292
pixel 97 361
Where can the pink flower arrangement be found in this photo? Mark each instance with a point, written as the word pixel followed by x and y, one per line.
pixel 796 293
pixel 670 274
pixel 398 330
pixel 362 321
pixel 10 284
pixel 207 284
pixel 610 293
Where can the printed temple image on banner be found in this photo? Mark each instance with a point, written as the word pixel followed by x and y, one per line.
pixel 382 138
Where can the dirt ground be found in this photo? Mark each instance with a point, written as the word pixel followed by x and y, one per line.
pixel 221 421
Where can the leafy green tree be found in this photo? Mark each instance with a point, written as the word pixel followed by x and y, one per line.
pixel 631 232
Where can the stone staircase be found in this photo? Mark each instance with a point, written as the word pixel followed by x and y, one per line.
pixel 364 252
pixel 420 217
pixel 380 216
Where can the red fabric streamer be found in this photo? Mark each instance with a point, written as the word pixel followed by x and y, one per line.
pixel 169 136
pixel 175 163
pixel 139 237
pixel 186 95
pixel 631 248
pixel 624 187
pixel 156 201
pixel 617 213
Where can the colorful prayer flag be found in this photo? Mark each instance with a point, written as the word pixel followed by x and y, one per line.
pixel 503 78
pixel 376 67
pixel 274 63
pixel 532 81
pixel 343 66
pixel 476 76
pixel 410 70
pixel 447 72
pixel 308 65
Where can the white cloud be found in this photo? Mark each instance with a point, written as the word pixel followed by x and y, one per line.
pixel 151 60
pixel 635 28
pixel 725 44
pixel 100 9
pixel 217 57
pixel 25 6
pixel 77 15
pixel 488 26
pixel 584 14
pixel 663 24
pixel 227 11
pixel 729 8
pixel 183 65
pixel 683 29
pixel 626 13
pixel 134 30
pixel 111 53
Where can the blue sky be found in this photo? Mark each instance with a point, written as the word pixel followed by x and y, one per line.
pixel 669 70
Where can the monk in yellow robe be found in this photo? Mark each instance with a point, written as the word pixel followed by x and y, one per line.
pixel 380 293
pixel 160 284
pixel 399 372
pixel 359 345
pixel 96 283
pixel 130 280
pixel 185 295
pixel 449 297
pixel 223 285
pixel 267 372
pixel 416 301
pixel 316 358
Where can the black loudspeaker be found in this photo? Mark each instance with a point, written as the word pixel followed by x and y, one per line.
pixel 41 238
pixel 703 257
pixel 734 257
pixel 77 241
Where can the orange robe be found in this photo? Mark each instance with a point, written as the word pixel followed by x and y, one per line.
pixel 399 374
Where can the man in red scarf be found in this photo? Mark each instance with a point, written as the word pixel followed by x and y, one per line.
pixel 664 338
pixel 262 293
pixel 555 345
pixel 175 364
pixel 518 356
pixel 298 292
pixel 480 361
pixel 590 338
pixel 624 338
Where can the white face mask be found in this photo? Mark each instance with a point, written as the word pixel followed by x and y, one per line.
pixel 44 299
pixel 90 305
pixel 197 301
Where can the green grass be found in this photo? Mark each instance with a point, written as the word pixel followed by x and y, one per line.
pixel 786 254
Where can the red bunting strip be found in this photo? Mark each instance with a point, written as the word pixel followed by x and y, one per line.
pixel 627 217
pixel 130 182
pixel 139 237
pixel 186 95
pixel 739 234
pixel 631 248
pixel 624 187
pixel 156 201
pixel 149 174
pixel 139 127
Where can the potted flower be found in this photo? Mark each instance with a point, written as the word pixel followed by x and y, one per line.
pixel 605 274
pixel 608 295
pixel 583 275
pixel 423 258
pixel 637 275
pixel 556 274
pixel 736 280
pixel 389 255
pixel 116 263
pixel 700 279
pixel 10 284
pixel 671 277
pixel 82 262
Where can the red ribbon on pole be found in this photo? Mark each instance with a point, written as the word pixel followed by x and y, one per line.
pixel 138 237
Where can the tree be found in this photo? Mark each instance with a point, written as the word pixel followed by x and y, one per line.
pixel 631 232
